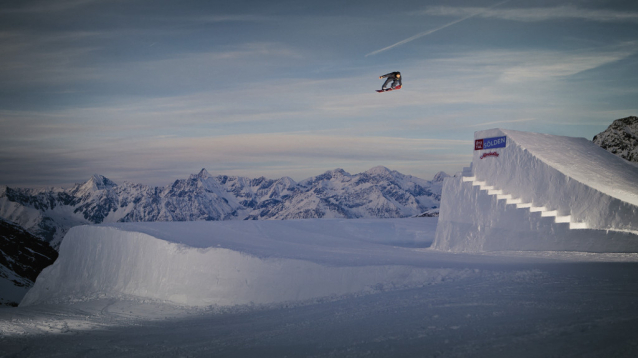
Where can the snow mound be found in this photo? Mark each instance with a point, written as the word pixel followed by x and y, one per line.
pixel 239 263
pixel 540 192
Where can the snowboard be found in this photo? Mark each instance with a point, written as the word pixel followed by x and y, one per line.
pixel 389 89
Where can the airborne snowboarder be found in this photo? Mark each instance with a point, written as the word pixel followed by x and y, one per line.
pixel 395 77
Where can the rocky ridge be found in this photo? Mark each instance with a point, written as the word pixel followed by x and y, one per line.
pixel 620 138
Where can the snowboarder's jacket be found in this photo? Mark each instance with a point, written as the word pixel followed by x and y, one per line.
pixel 393 76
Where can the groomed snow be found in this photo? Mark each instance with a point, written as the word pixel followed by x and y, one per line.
pixel 541 192
pixel 572 176
pixel 239 262
pixel 429 303
pixel 583 161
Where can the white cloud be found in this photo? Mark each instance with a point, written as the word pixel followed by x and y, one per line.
pixel 230 18
pixel 535 14
pixel 537 65
pixel 46 6
pixel 71 58
pixel 477 12
pixel 514 120
pixel 483 78
pixel 299 155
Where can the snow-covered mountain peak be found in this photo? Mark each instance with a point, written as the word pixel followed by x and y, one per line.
pixel 439 177
pixel 337 173
pixel 97 182
pixel 204 180
pixel 380 173
pixel 287 181
pixel 203 174
pixel 379 170
pixel 330 175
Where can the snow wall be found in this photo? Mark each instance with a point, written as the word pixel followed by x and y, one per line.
pixel 236 263
pixel 540 192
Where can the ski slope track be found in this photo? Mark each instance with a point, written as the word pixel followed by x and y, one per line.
pixel 540 193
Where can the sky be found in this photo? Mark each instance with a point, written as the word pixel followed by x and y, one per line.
pixel 152 91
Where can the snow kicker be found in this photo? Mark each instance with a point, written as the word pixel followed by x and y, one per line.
pixel 538 192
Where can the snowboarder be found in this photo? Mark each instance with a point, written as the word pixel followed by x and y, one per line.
pixel 394 77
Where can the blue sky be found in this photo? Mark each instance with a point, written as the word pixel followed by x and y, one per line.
pixel 151 91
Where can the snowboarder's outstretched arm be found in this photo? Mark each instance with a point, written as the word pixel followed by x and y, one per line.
pixel 392 74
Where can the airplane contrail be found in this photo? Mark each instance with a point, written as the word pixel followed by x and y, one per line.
pixel 435 30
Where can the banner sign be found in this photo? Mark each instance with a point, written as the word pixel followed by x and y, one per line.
pixel 490 143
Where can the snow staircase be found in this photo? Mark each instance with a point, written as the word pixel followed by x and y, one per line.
pixel 545 212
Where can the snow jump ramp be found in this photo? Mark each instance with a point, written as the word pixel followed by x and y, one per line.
pixel 229 263
pixel 538 192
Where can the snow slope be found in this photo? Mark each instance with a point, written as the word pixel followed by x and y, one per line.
pixel 238 262
pixel 541 192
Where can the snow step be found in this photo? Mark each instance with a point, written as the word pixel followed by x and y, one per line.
pixel 500 195
pixel 578 225
pixel 563 219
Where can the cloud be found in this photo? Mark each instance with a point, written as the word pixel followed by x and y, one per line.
pixel 294 154
pixel 478 12
pixel 535 14
pixel 308 125
pixel 549 64
pixel 481 78
pixel 484 124
pixel 28 59
pixel 47 6
pixel 73 59
pixel 228 18
pixel 517 66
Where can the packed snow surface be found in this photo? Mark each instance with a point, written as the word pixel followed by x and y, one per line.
pixel 540 192
pixel 427 303
pixel 237 262
pixel 583 161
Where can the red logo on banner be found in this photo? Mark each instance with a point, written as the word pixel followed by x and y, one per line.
pixel 490 154
pixel 478 144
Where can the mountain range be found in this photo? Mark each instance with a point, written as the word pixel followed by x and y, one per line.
pixel 378 192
